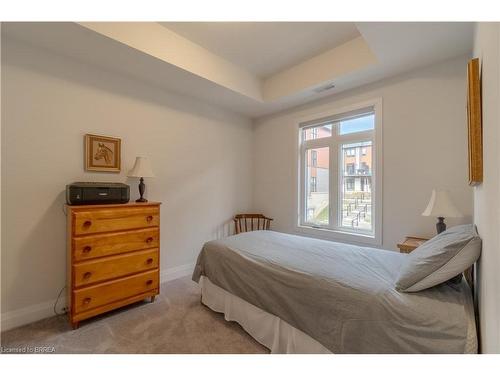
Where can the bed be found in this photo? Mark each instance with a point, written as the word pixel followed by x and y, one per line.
pixel 301 295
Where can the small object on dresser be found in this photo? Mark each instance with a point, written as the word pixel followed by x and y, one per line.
pixel 97 193
pixel 411 243
pixel 141 169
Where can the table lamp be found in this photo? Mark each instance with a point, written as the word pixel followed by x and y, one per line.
pixel 441 206
pixel 141 169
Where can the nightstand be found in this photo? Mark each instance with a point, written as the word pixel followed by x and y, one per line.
pixel 410 244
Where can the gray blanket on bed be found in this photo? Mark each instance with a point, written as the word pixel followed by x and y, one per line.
pixel 341 295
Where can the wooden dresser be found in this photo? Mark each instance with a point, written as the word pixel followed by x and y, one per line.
pixel 113 257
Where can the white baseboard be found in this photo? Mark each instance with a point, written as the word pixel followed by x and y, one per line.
pixel 29 314
pixel 176 272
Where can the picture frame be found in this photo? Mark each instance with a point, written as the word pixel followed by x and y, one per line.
pixel 474 123
pixel 102 153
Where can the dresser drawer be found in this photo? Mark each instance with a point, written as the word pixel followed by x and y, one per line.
pixel 98 245
pixel 115 266
pixel 112 291
pixel 108 220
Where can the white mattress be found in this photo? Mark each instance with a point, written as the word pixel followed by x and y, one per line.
pixel 274 333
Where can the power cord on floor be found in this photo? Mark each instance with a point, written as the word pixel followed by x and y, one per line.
pixel 57 300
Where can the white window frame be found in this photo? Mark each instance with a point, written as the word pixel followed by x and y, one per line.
pixel 332 232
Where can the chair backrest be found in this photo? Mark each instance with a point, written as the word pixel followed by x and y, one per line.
pixel 250 222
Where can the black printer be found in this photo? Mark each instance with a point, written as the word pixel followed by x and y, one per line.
pixel 97 193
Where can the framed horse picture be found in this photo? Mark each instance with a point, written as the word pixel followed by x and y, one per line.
pixel 102 154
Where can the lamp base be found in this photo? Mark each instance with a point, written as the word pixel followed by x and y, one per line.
pixel 142 188
pixel 440 225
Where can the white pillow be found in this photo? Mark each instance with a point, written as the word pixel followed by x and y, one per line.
pixel 439 259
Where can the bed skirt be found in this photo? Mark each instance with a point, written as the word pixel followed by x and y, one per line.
pixel 269 330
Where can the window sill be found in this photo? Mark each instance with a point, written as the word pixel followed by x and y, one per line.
pixel 338 235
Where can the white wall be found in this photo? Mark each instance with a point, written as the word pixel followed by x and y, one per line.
pixel 201 155
pixel 424 146
pixel 486 195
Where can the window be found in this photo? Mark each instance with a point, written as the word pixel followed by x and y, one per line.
pixel 314 185
pixel 349 184
pixel 350 152
pixel 337 174
pixel 318 181
pixel 350 168
pixel 365 184
pixel 314 133
pixel 322 131
pixel 357 124
pixel 365 168
pixel 355 203
pixel 314 158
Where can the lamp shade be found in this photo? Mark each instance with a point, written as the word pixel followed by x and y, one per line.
pixel 142 168
pixel 441 205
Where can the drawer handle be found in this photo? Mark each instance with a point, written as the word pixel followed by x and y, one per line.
pixel 87 223
pixel 149 260
pixel 149 218
pixel 86 275
pixel 149 239
pixel 149 282
pixel 87 300
pixel 87 249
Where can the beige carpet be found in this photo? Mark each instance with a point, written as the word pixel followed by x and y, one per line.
pixel 175 323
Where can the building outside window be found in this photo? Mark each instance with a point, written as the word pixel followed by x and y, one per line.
pixel 318 132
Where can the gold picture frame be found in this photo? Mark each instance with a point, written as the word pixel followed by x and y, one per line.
pixel 102 153
pixel 474 122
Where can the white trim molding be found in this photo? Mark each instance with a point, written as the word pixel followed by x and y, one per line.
pixel 176 272
pixel 33 313
pixel 29 314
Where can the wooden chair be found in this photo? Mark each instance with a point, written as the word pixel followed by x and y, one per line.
pixel 250 222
